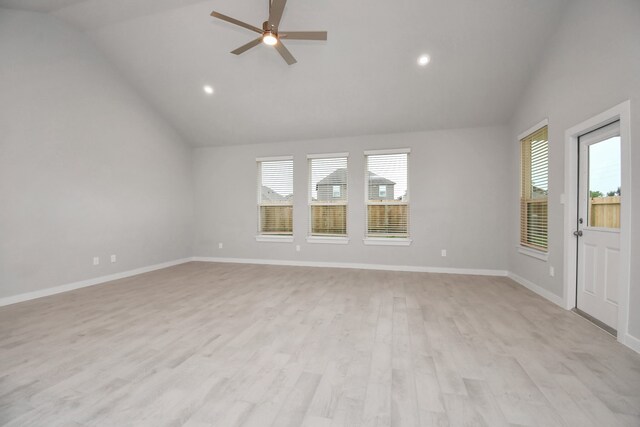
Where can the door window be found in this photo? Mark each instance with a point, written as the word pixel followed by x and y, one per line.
pixel 604 184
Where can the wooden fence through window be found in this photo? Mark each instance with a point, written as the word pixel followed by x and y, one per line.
pixel 276 219
pixel 605 212
pixel 329 219
pixel 388 220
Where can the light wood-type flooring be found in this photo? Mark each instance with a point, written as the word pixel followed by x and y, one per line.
pixel 205 344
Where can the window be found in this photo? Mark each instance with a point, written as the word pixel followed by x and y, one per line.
pixel 328 195
pixel 387 194
pixel 534 159
pixel 275 196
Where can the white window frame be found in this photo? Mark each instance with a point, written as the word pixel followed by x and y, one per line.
pixel 338 240
pixel 387 241
pixel 267 237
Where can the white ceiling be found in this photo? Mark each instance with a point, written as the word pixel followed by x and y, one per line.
pixel 363 80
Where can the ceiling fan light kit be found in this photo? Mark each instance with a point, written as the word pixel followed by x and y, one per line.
pixel 269 34
pixel 269 38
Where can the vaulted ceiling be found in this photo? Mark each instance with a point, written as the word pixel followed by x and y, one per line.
pixel 363 80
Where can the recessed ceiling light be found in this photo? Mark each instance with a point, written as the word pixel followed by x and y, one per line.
pixel 424 60
pixel 208 89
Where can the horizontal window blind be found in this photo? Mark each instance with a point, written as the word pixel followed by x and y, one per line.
pixel 328 195
pixel 275 197
pixel 534 192
pixel 387 195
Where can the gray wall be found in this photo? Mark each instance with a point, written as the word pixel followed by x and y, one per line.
pixel 592 65
pixel 459 195
pixel 86 168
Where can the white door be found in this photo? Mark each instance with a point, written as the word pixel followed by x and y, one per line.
pixel 598 225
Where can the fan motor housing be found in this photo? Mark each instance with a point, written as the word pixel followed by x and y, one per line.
pixel 267 27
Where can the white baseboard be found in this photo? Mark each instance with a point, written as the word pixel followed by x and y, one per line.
pixel 632 342
pixel 418 269
pixel 537 289
pixel 85 283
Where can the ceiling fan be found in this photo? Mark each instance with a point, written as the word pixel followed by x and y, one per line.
pixel 270 33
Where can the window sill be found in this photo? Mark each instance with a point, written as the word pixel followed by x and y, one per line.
pixel 387 241
pixel 328 239
pixel 275 239
pixel 543 256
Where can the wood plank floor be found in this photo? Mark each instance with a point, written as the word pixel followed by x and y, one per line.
pixel 205 344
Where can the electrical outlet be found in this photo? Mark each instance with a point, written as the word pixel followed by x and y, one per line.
pixel 552 271
pixel 297 248
pixel 113 258
pixel 219 245
pixel 443 252
pixel 96 260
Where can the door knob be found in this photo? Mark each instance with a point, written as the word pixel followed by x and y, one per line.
pixel 577 233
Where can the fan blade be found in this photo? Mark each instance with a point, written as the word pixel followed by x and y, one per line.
pixel 275 12
pixel 286 55
pixel 235 21
pixel 303 35
pixel 247 46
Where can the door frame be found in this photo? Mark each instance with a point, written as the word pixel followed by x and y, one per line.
pixel 621 112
